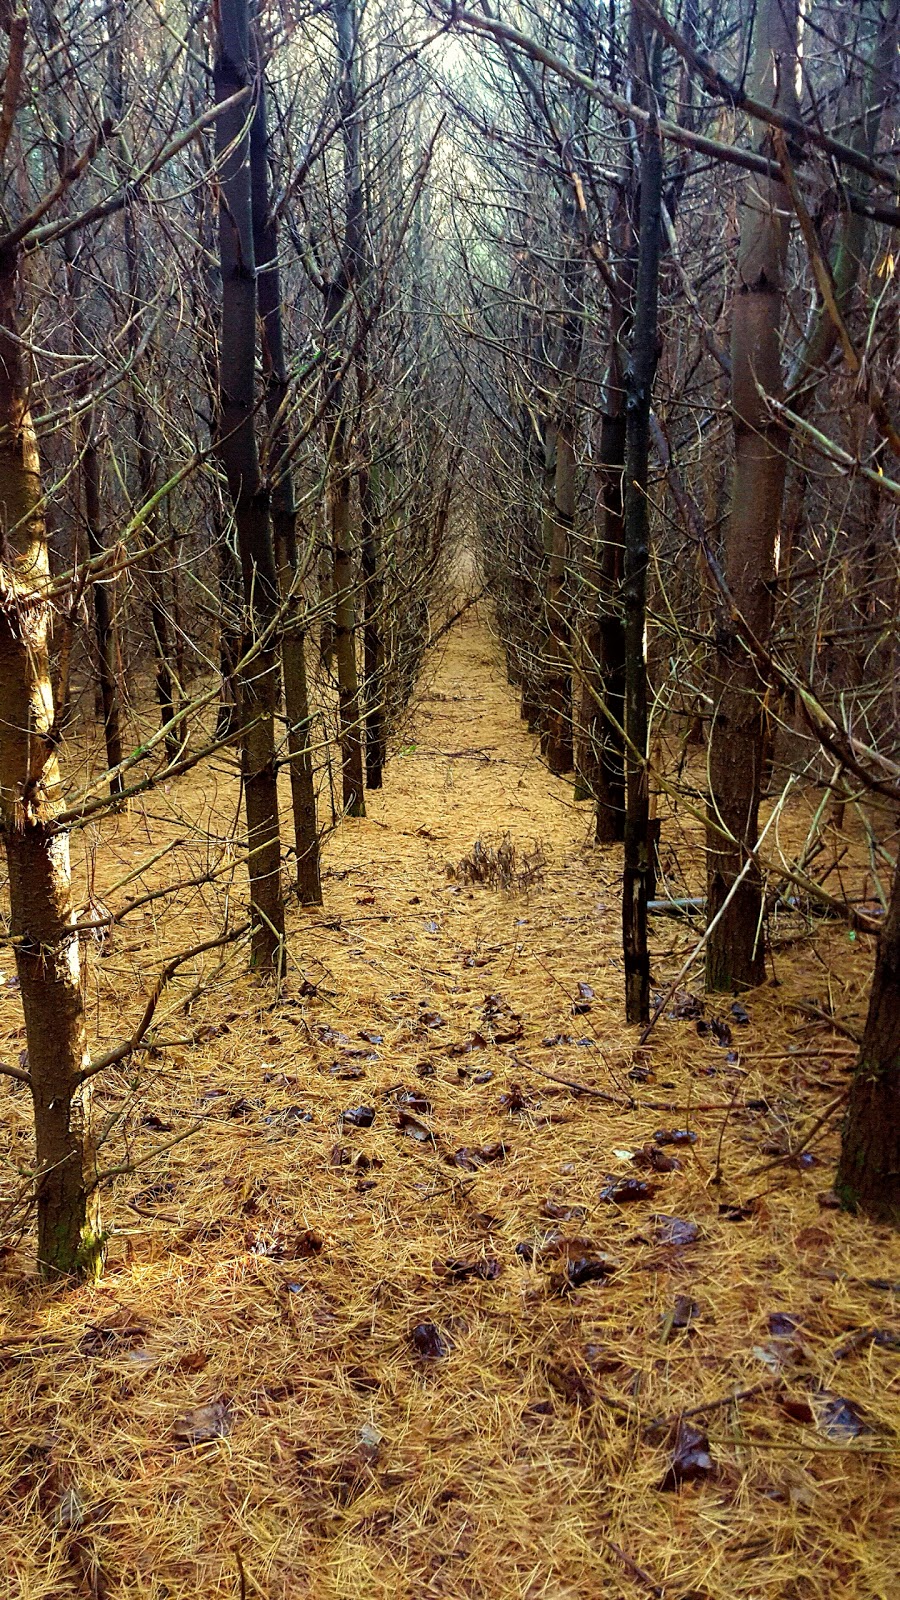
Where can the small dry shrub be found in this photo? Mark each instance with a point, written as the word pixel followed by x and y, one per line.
pixel 501 866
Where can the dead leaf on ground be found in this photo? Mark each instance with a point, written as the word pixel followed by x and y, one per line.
pixel 674 1136
pixel 690 1458
pixel 581 1269
pixel 655 1160
pixel 676 1231
pixel 413 1128
pixel 427 1341
pixel 471 1157
pixel 203 1423
pixel 624 1191
pixel 514 1101
pixel 562 1213
pixel 358 1116
pixel 414 1100
pixel 456 1269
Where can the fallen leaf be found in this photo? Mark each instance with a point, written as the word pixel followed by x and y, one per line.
pixel 676 1231
pixel 203 1423
pixel 839 1418
pixel 481 1267
pixel 413 1128
pixel 624 1191
pixel 471 1157
pixel 358 1116
pixel 581 1269
pixel 651 1156
pixel 690 1457
pixel 156 1124
pixel 514 1101
pixel 562 1213
pixel 783 1326
pixel 242 1108
pixel 674 1136
pixel 296 1114
pixel 740 1013
pixel 415 1100
pixel 371 1038
pixel 427 1342
pixel 346 1071
pixel 685 1311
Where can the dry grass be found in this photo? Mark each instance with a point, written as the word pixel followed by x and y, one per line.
pixel 254 1266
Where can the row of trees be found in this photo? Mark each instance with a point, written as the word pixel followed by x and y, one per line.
pixel 678 263
pixel 213 309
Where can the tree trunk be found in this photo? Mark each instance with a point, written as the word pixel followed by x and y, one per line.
pixel 104 624
pixel 258 673
pixel 561 515
pixel 146 474
pixel 373 645
pixel 105 640
pixel 638 880
pixel 42 925
pixel 735 951
pixel 868 1175
pixel 337 293
pixel 284 515
pixel 609 718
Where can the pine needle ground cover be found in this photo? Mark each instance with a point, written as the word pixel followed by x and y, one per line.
pixel 455 1290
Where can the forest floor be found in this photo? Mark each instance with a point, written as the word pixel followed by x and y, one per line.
pixel 446 1354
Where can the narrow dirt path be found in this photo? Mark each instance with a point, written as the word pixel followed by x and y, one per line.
pixel 413 1351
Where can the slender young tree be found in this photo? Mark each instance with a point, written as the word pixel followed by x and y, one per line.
pixel 638 878
pixel 735 951
pixel 868 1175
pixel 258 673
pixel 337 291
pixel 42 921
pixel 284 515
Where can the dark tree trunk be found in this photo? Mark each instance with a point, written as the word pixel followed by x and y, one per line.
pixel 284 517
pixel 868 1175
pixel 337 293
pixel 146 472
pixel 638 881
pixel 609 717
pixel 373 645
pixel 258 673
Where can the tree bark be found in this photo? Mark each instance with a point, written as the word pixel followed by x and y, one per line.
pixel 258 674
pixel 105 639
pixel 638 879
pixel 337 293
pixel 868 1175
pixel 735 951
pixel 146 472
pixel 284 515
pixel 42 924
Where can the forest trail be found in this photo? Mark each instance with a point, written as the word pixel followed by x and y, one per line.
pixel 419 1358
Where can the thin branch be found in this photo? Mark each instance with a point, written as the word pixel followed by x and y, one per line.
pixel 120 1052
